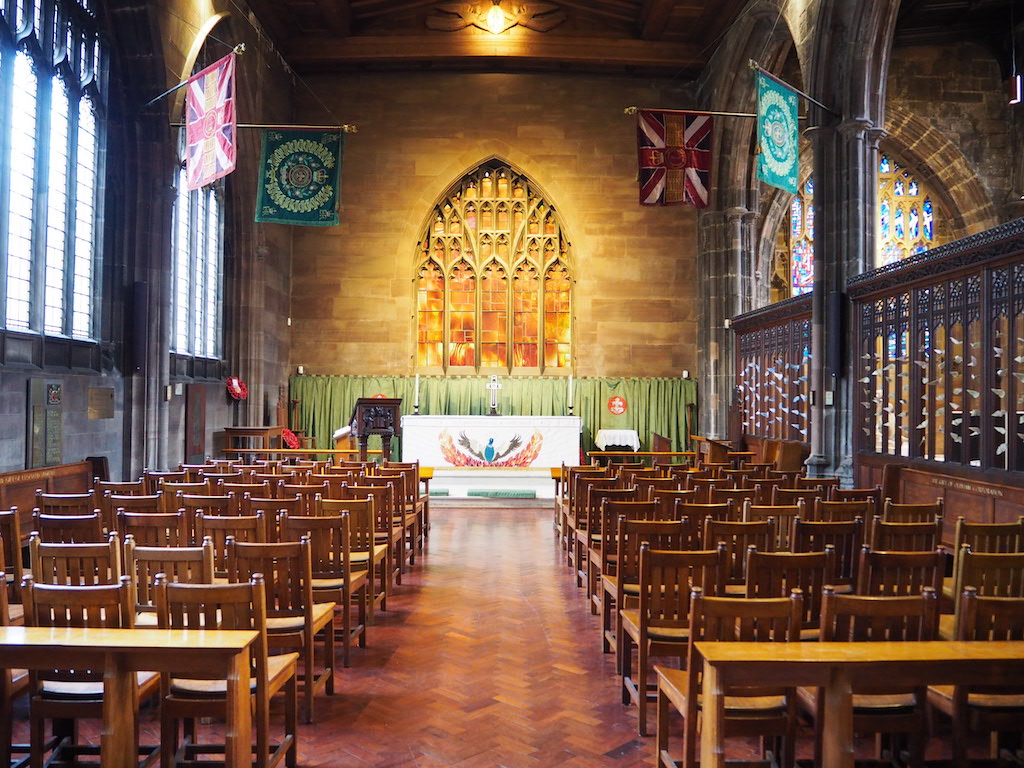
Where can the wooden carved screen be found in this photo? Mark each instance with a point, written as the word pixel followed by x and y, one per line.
pixel 494 279
pixel 940 355
pixel 773 369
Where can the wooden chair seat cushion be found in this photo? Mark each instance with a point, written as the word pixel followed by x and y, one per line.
pixel 322 613
pixel 16 613
pixel 985 700
pixel 631 624
pixel 359 559
pixel 279 669
pixel 86 691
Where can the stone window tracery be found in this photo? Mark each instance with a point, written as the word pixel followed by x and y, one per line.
pixel 494 278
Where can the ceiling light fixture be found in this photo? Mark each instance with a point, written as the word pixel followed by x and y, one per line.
pixel 495 18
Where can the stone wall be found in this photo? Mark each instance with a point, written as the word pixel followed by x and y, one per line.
pixel 353 295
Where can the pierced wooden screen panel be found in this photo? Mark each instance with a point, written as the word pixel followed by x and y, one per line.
pixel 493 225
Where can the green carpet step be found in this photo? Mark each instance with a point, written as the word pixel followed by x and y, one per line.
pixel 438 491
pixel 499 493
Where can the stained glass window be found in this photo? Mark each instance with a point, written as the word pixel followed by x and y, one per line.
pixel 906 223
pixel 482 301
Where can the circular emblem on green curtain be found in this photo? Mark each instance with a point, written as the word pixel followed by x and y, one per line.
pixel 778 134
pixel 299 174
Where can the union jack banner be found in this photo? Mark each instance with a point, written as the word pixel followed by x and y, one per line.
pixel 675 157
pixel 210 123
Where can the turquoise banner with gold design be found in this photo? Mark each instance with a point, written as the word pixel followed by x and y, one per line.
pixel 779 161
pixel 300 180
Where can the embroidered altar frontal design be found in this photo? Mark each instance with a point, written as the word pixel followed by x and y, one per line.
pixel 301 177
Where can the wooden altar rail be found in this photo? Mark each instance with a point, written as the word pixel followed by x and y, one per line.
pixel 18 488
pixel 296 452
pixel 652 454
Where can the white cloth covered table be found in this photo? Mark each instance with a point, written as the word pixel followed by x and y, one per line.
pixel 607 437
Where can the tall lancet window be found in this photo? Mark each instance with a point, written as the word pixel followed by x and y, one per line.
pixel 494 279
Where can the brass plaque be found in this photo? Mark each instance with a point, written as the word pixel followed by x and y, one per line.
pixel 101 403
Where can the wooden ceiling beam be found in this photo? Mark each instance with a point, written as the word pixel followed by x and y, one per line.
pixel 654 16
pixel 586 6
pixel 337 15
pixel 321 53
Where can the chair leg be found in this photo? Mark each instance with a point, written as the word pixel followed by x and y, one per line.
pixel 606 619
pixel 641 687
pixel 346 626
pixel 364 606
pixel 291 720
pixel 661 735
pixel 308 673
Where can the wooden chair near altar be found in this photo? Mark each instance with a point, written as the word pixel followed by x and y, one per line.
pixel 783 517
pixel 905 537
pixel 69 528
pixel 845 537
pixel 603 551
pixel 188 565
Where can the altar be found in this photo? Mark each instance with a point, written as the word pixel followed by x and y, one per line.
pixel 492 442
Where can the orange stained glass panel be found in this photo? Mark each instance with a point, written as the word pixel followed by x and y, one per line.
pixel 557 317
pixel 525 317
pixel 462 315
pixel 430 335
pixel 493 316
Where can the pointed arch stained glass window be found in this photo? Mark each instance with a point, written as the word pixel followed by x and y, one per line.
pixel 494 278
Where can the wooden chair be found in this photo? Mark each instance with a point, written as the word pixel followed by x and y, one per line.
pixel 588 533
pixel 566 487
pixel 620 578
pixel 874 495
pixel 714 467
pixel 736 495
pixel 825 483
pixel 336 482
pixel 787 497
pixel 13 682
pixel 842 511
pixel 75 564
pixel 698 513
pixel 417 505
pixel 154 478
pixel 764 489
pixel 110 503
pixel 366 553
pixel 980 537
pixel 305 491
pixel 273 478
pixel 702 487
pixel 160 529
pixel 667 501
pixel 659 625
pixel 788 476
pixel 783 517
pixel 189 565
pixel 66 503
pixel 171 488
pixel 66 695
pixel 215 478
pixel 737 538
pixel 128 488
pixel 194 472
pixel 887 710
pixel 990 574
pixel 983 709
pixel 10 539
pixel 241 492
pixel 901 574
pixel 905 537
pixel 225 606
pixel 218 528
pixel 294 620
pixel 602 551
pixel 778 574
pixel 68 528
pixel 334 577
pixel 911 513
pixel 399 508
pixel 750 710
pixel 648 487
pixel 389 528
pixel 847 538
pixel 738 478
pixel 756 470
pixel 271 507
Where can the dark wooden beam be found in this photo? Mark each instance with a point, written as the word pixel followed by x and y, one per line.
pixel 323 53
pixel 624 15
pixel 337 15
pixel 654 16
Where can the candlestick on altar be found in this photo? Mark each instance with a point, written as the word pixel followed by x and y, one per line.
pixel 570 394
pixel 416 395
pixel 494 385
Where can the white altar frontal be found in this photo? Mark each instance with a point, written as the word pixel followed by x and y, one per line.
pixel 491 442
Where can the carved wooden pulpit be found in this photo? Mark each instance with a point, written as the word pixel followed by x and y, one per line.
pixel 376 416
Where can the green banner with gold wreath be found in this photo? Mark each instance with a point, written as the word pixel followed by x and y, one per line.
pixel 778 141
pixel 300 181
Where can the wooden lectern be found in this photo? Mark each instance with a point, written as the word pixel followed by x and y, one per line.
pixel 376 416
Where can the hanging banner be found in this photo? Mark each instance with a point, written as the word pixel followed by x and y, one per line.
pixel 674 157
pixel 210 131
pixel 779 160
pixel 300 181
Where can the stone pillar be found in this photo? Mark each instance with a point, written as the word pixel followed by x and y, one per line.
pixel 845 201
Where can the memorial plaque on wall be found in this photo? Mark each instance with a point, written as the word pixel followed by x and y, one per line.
pixel 195 423
pixel 101 403
pixel 45 430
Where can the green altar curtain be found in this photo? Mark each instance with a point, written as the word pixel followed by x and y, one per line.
pixel 661 405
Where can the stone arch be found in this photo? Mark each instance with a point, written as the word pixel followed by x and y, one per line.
pixel 940 164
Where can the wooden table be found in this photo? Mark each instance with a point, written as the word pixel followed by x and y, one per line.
pixel 833 667
pixel 241 438
pixel 120 653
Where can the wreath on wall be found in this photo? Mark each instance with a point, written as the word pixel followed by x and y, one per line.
pixel 289 438
pixel 237 388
